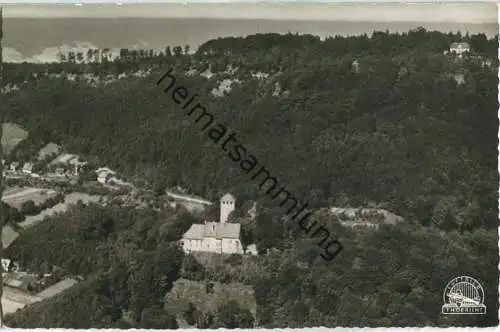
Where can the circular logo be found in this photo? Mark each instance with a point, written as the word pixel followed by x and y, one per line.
pixel 463 295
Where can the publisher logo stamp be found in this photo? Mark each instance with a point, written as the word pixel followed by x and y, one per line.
pixel 463 296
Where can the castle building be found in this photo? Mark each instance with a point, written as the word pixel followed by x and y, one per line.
pixel 222 237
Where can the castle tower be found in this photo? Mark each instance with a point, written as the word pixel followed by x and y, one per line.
pixel 226 207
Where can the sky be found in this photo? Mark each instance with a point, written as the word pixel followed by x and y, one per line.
pixel 291 10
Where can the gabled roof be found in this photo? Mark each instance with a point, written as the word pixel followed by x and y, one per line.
pixel 214 230
pixel 460 45
pixel 227 197
pixel 63 158
pixel 104 170
pixel 48 149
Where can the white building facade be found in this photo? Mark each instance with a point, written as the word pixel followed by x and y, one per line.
pixel 213 237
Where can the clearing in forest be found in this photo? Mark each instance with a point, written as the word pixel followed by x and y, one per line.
pixel 12 134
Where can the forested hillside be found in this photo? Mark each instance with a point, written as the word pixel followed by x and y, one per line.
pixel 128 259
pixel 344 121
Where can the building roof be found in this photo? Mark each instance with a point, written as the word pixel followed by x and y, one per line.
pixel 104 175
pixel 28 167
pixel 105 170
pixel 5 264
pixel 63 158
pixel 48 149
pixel 227 197
pixel 214 230
pixel 76 162
pixel 252 247
pixel 460 45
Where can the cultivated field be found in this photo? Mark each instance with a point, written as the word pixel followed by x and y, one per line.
pixel 14 299
pixel 8 236
pixel 57 288
pixel 10 306
pixel 59 208
pixel 16 196
pixel 12 134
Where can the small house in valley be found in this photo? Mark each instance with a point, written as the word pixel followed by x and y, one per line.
pixel 104 174
pixel 28 168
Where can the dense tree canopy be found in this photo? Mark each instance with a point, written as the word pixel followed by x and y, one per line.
pixel 343 121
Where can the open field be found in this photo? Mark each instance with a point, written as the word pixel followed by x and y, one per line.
pixel 8 236
pixel 192 204
pixel 12 134
pixel 59 208
pixel 188 198
pixel 14 299
pixel 16 196
pixel 193 207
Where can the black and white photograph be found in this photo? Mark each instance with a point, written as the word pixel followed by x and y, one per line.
pixel 249 165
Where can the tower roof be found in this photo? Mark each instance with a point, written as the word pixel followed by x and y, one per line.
pixel 227 197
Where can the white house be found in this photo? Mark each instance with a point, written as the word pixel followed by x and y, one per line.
pixel 13 166
pixel 459 48
pixel 105 169
pixel 104 177
pixel 77 165
pixel 459 78
pixel 104 174
pixel 251 250
pixel 223 238
pixel 8 265
pixel 28 168
pixel 60 171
